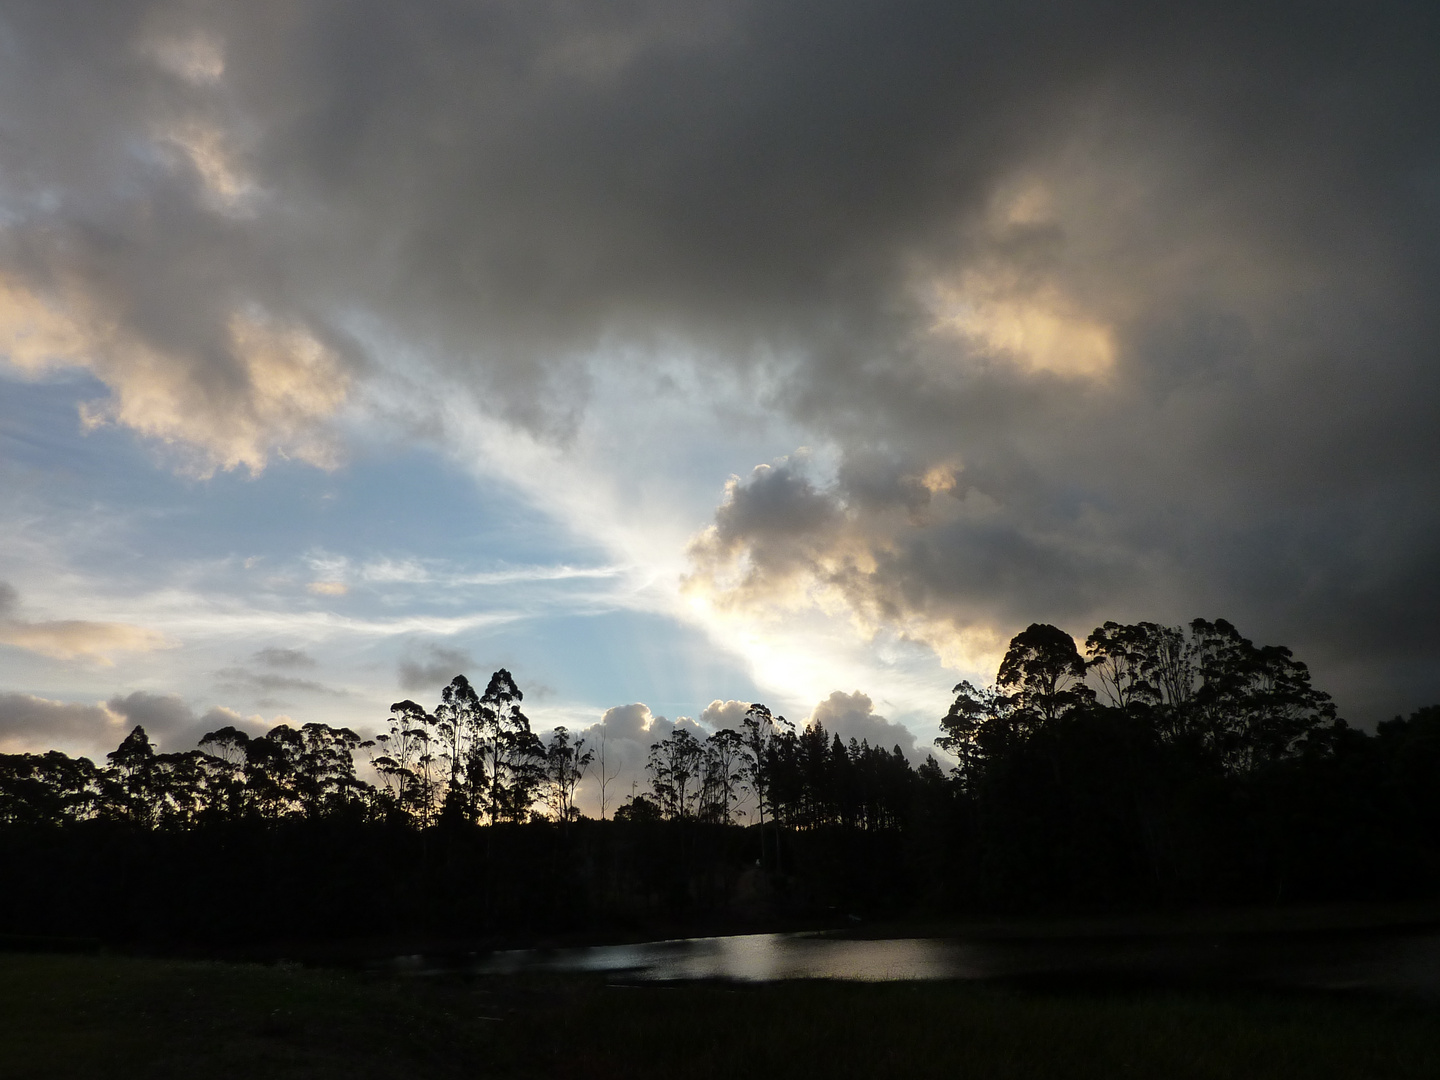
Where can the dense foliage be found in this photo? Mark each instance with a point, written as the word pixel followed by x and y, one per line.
pixel 1160 766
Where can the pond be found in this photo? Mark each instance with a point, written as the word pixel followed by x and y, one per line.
pixel 1407 962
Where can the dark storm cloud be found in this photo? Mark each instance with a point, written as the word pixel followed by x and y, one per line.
pixel 1106 309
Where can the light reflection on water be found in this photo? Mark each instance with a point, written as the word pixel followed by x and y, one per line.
pixel 1407 963
pixel 750 958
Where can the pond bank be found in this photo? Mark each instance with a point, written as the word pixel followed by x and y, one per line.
pixel 106 1016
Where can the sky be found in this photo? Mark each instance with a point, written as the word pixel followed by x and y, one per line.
pixel 678 355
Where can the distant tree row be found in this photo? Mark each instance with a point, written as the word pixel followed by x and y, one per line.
pixel 474 759
pixel 798 779
pixel 1149 765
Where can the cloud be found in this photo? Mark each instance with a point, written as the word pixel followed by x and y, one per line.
pixel 1154 288
pixel 724 714
pixel 267 683
pixel 284 658
pixel 328 588
pixel 34 724
pixel 172 725
pixel 853 716
pixel 257 388
pixel 416 572
pixel 627 733
pixel 434 668
pixel 72 639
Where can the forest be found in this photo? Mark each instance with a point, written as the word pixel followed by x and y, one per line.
pixel 1159 767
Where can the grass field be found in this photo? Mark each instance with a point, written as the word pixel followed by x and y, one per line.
pixel 110 1016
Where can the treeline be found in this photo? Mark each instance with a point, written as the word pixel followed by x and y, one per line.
pixel 1157 766
pixel 472 761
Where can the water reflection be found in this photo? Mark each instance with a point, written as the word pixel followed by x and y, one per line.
pixel 1394 963
pixel 1373 961
pixel 750 958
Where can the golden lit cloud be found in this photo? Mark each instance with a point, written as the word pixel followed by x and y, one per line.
pixel 328 588
pixel 939 479
pixel 76 639
pixel 1037 328
pixel 1007 300
pixel 781 546
pixel 34 335
pixel 283 384
pixel 213 160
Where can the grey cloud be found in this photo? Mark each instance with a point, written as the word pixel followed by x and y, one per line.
pixel 626 732
pixel 172 724
pixel 1156 283
pixel 161 715
pixel 242 679
pixel 34 724
pixel 434 668
pixel 853 716
pixel 636 724
pixel 284 658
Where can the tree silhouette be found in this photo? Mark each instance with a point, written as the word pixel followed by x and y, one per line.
pixel 1044 675
pixel 131 786
pixel 506 759
pixel 564 768
pixel 676 767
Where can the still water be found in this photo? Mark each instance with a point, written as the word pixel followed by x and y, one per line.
pixel 1391 962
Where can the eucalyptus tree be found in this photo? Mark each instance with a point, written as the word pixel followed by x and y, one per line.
pixel 676 767
pixel 406 761
pixel 224 762
pixel 564 767
pixel 505 764
pixel 978 726
pixel 603 774
pixel 130 779
pixel 1044 675
pixel 457 719
pixel 326 781
pixel 1208 686
pixel 1255 704
pixel 272 771
pixel 723 774
pixel 759 730
pixel 1146 668
pixel 47 789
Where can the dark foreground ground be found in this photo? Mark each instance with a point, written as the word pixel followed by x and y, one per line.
pixel 110 1016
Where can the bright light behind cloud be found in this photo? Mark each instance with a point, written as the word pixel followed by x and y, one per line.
pixel 1040 330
